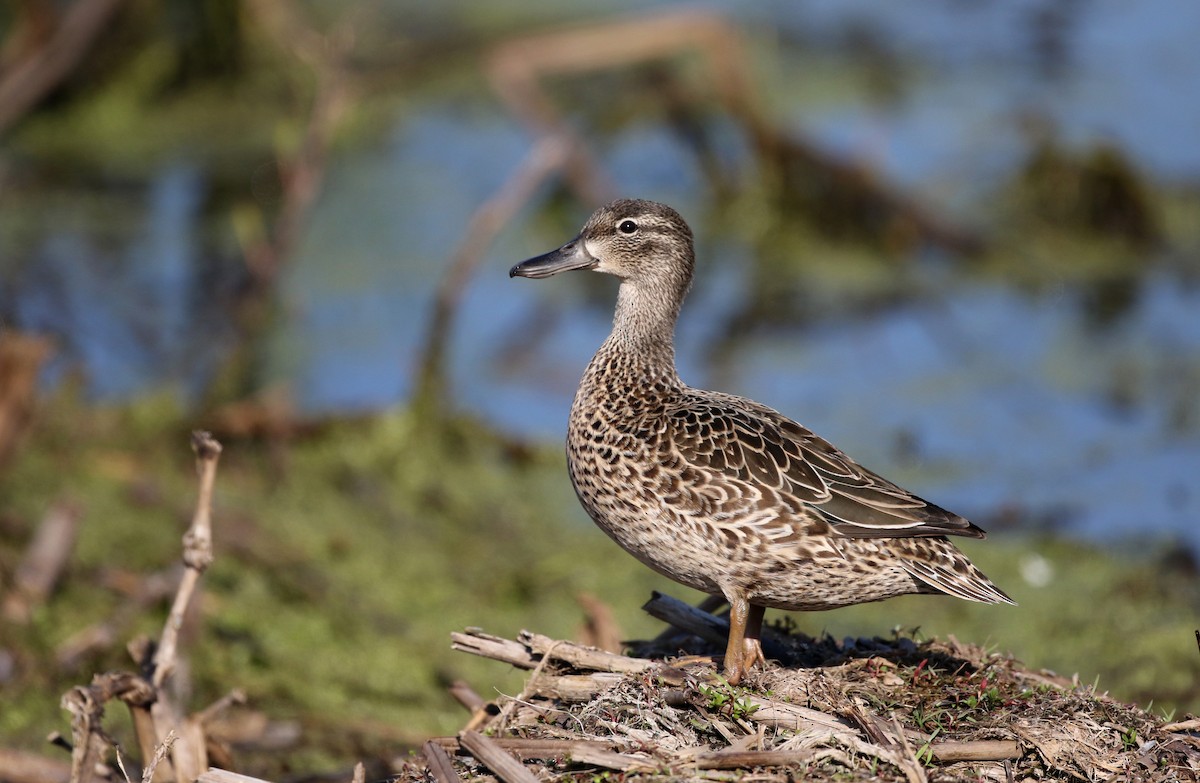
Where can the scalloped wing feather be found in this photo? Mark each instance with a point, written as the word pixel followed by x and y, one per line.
pixel 753 448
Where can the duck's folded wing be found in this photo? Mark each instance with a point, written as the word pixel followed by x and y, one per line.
pixel 756 455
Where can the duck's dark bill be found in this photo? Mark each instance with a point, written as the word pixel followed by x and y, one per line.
pixel 570 256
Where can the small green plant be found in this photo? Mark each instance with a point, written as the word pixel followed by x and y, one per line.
pixel 929 719
pixel 1129 739
pixel 925 752
pixel 743 708
pixel 717 696
pixel 985 699
pixel 720 697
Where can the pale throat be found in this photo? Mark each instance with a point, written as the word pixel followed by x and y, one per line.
pixel 644 325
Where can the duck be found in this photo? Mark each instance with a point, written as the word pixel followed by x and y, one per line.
pixel 721 493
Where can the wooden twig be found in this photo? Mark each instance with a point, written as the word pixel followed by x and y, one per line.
pixel 485 645
pixel 438 763
pixel 495 758
pixel 197 554
pixel 160 753
pixel 158 723
pixel 907 760
pixel 529 650
pixel 575 687
pixel 583 657
pixel 44 561
pixel 188 753
pixel 709 605
pixel 360 773
pixel 696 620
pixel 1192 724
pixel 86 706
pixel 948 752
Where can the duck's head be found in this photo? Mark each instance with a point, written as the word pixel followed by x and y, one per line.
pixel 641 242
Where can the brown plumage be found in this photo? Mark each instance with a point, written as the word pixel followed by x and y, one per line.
pixel 719 492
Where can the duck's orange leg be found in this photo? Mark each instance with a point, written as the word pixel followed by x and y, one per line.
pixel 744 649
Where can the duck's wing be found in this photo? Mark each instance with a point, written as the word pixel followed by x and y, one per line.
pixel 750 456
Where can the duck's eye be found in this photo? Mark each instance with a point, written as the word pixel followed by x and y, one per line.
pixel 627 227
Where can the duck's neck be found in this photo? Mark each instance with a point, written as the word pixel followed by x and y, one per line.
pixel 643 333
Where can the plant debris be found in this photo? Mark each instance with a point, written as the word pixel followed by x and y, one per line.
pixel 857 709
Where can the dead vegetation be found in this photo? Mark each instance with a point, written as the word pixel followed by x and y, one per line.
pixel 856 709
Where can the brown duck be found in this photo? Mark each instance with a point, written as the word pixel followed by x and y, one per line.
pixel 719 492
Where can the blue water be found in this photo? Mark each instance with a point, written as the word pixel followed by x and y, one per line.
pixel 991 401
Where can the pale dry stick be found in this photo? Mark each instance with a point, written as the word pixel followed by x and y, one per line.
pixel 160 753
pixel 576 688
pixel 159 725
pixel 950 751
pixel 584 657
pixel 495 758
pixel 507 710
pixel 532 647
pixel 197 554
pixel 1192 724
pixel 476 642
pixel 360 773
pixel 88 741
pixel 548 156
pixel 188 754
pixel 438 762
pixel 910 764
